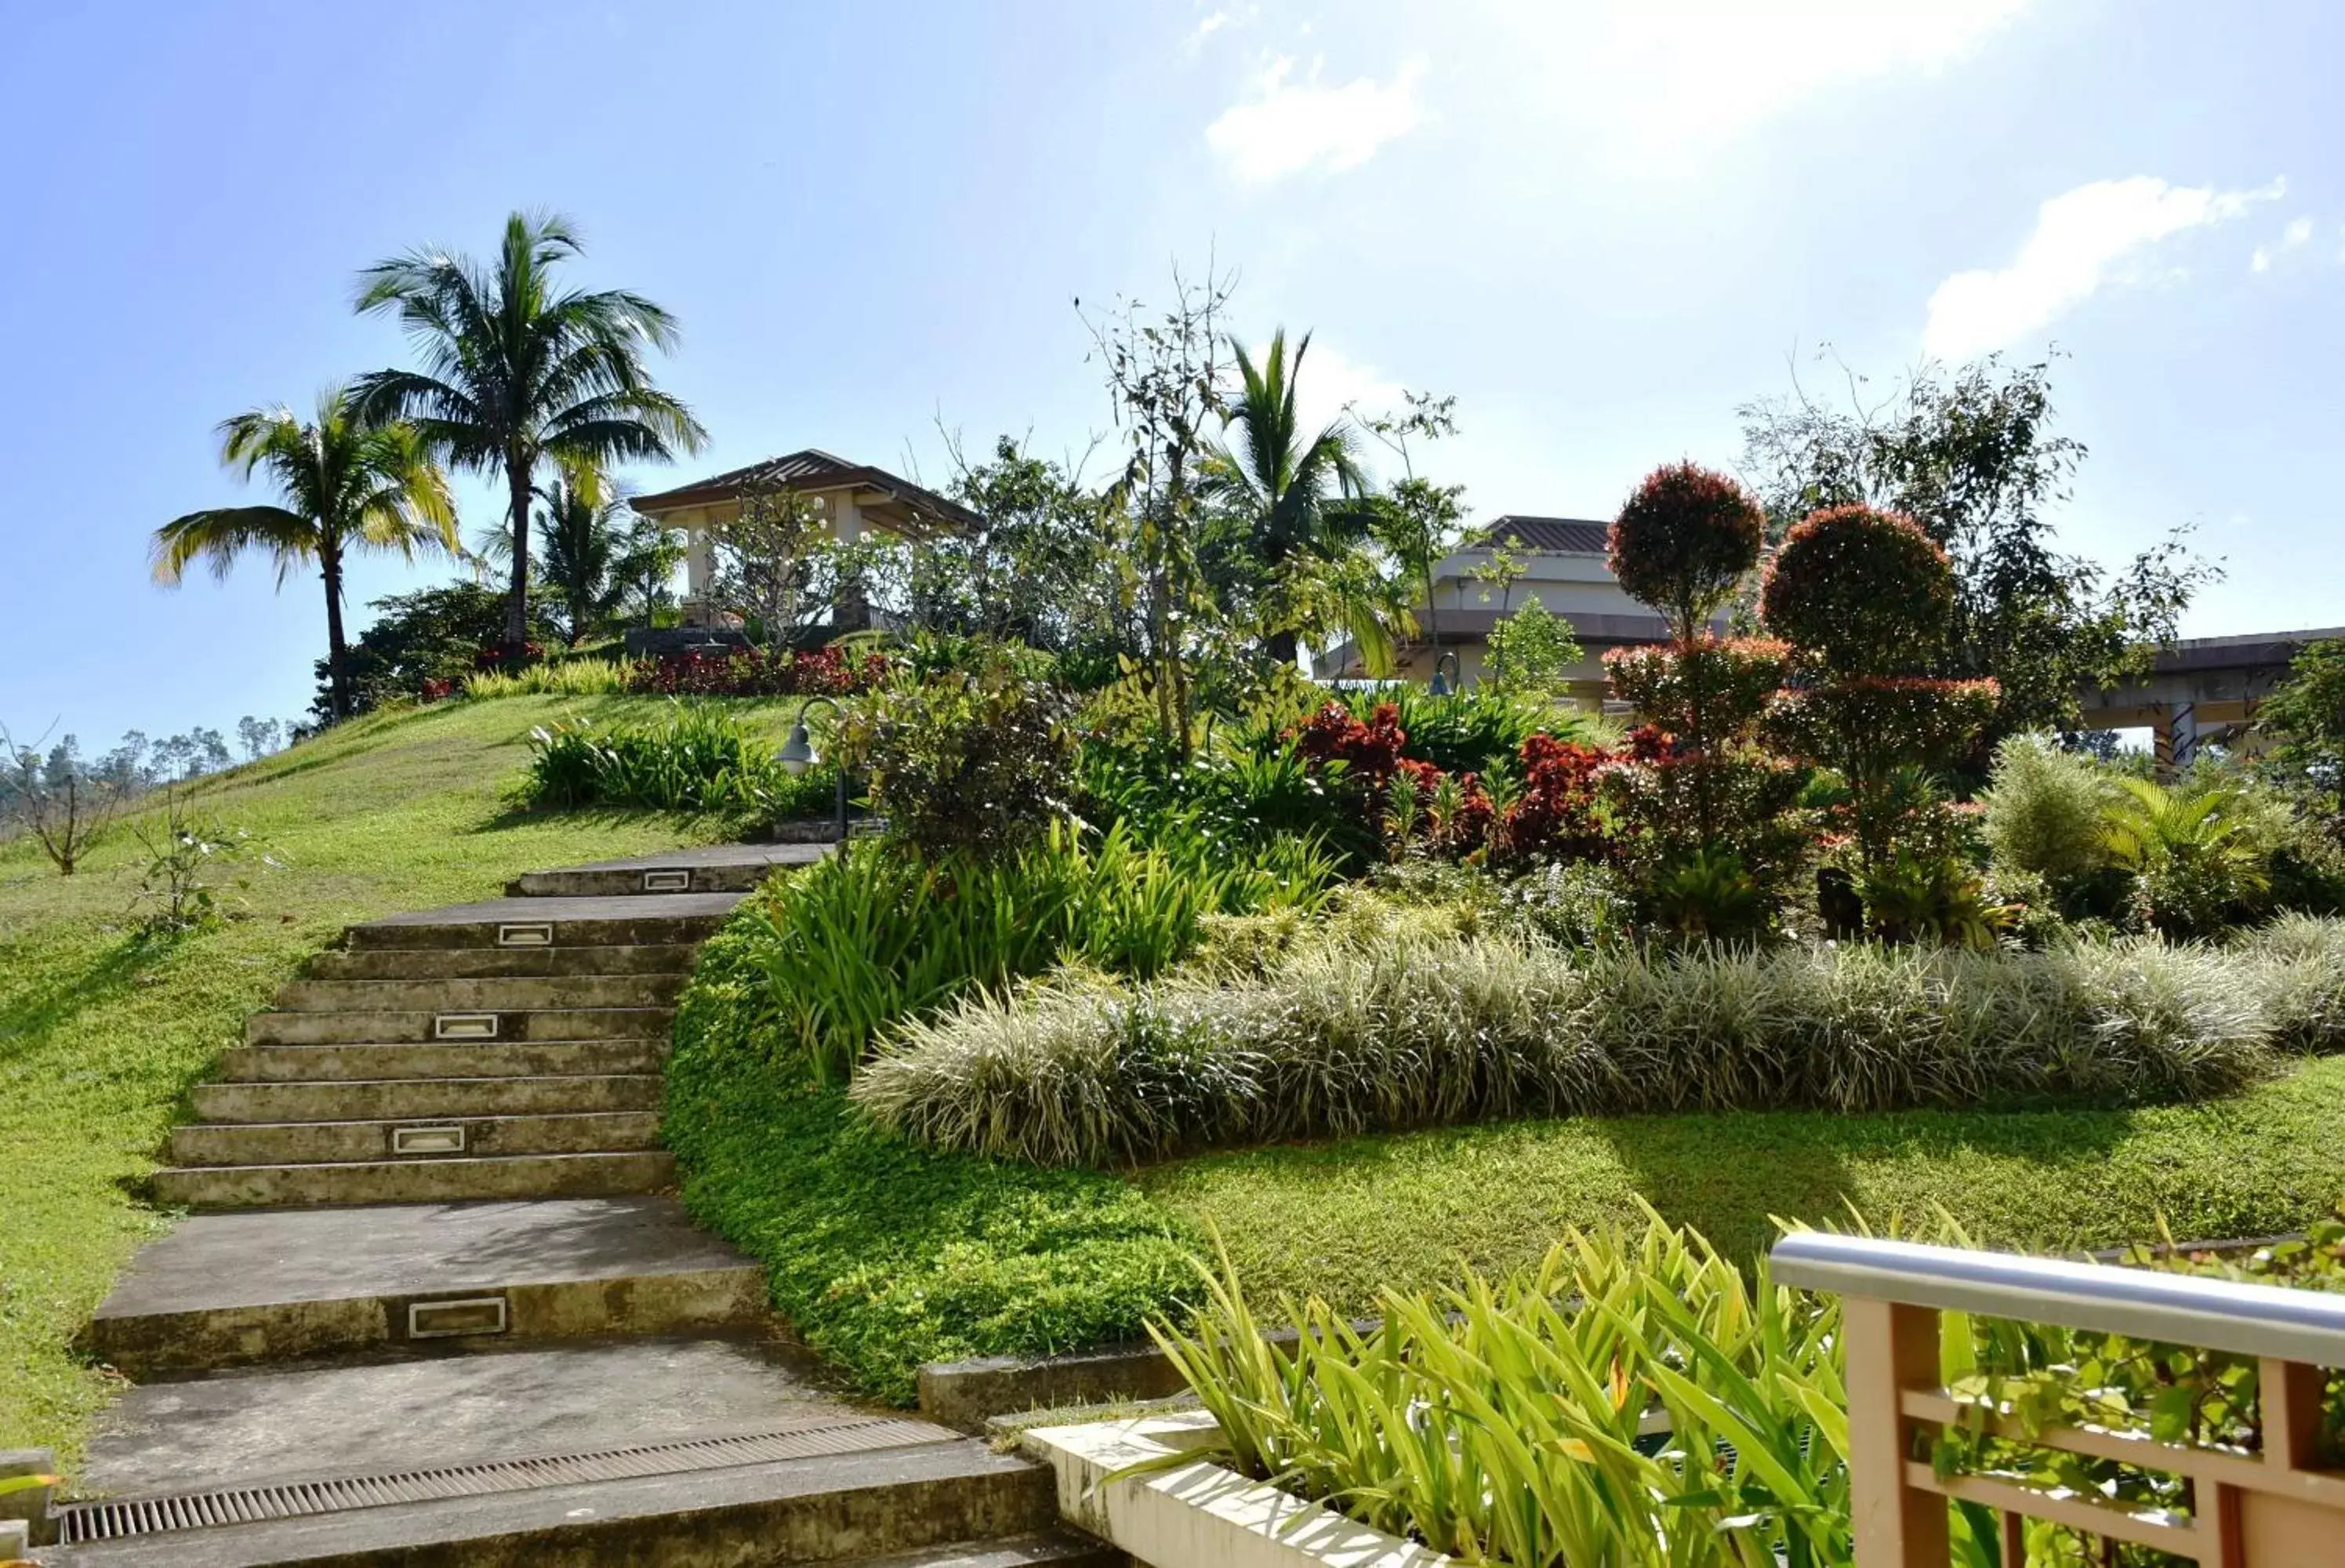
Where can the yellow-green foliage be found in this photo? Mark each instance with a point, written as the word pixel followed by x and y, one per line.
pixel 563 678
pixel 1502 1421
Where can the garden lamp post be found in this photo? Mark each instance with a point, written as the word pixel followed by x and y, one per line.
pixel 798 754
pixel 1438 687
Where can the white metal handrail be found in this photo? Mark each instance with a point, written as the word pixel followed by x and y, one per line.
pixel 2292 1325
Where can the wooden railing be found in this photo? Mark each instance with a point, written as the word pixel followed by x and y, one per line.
pixel 2278 1509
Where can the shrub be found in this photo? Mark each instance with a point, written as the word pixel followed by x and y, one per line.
pixel 1505 1422
pixel 1554 813
pixel 1466 732
pixel 563 678
pixel 1866 592
pixel 1529 654
pixel 1245 797
pixel 877 933
pixel 697 760
pixel 2044 808
pixel 2194 852
pixel 979 759
pixel 1683 542
pixel 828 672
pixel 1570 905
pixel 1333 1040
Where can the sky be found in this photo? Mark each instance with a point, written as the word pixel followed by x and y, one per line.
pixel 1601 226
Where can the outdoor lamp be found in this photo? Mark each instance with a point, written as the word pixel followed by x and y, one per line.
pixel 1440 687
pixel 797 753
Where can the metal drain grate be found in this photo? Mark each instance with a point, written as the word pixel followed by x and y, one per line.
pixel 112 1521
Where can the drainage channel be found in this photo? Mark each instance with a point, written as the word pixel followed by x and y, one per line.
pixel 115 1520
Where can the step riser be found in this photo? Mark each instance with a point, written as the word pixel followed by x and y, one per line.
pixel 291 1331
pixel 499 996
pixel 621 884
pixel 414 1100
pixel 493 963
pixel 648 931
pixel 419 1181
pixel 542 1023
pixel 310 1143
pixel 312 1064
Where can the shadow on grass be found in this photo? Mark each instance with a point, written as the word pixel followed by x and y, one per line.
pixel 34 1014
pixel 1731 1175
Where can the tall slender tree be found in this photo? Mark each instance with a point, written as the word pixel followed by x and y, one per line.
pixel 347 486
pixel 1291 486
pixel 520 374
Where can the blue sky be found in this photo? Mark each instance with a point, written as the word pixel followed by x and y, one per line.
pixel 1600 225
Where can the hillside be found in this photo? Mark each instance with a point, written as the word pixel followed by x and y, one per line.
pixel 101 1032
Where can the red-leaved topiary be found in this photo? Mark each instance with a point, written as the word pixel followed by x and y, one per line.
pixel 1683 542
pixel 1862 592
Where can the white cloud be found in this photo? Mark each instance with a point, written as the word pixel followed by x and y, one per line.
pixel 2298 233
pixel 1659 82
pixel 2083 237
pixel 1290 126
pixel 1330 380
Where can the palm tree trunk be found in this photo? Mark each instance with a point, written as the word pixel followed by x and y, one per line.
pixel 330 567
pixel 517 475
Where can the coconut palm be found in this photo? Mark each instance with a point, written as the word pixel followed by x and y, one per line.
pixel 520 375
pixel 596 552
pixel 1292 490
pixel 347 486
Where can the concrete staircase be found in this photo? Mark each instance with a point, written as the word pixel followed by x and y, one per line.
pixel 435 1311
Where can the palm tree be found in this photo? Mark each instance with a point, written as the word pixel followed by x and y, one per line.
pixel 596 552
pixel 348 485
pixel 520 374
pixel 1291 491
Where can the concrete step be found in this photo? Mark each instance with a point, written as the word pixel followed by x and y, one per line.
pixel 490 963
pixel 656 1452
pixel 554 1058
pixel 499 994
pixel 642 920
pixel 713 869
pixel 442 1137
pixel 453 1180
pixel 386 1100
pixel 241 1289
pixel 281 1028
pixel 1060 1548
pixel 904 1505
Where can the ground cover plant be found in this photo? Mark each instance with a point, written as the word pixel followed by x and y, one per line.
pixel 105 1023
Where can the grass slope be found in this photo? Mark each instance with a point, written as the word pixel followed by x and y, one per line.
pixel 101 1033
pixel 1343 1218
pixel 882 1254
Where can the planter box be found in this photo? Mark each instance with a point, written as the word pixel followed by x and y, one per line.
pixel 1200 1514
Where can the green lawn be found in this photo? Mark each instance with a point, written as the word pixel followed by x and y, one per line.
pixel 1343 1218
pixel 100 1034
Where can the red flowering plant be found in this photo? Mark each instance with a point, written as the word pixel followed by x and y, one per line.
pixel 760 673
pixel 438 690
pixel 1557 811
pixel 497 657
pixel 1413 804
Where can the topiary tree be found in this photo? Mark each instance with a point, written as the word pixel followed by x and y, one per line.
pixel 1860 592
pixel 1695 784
pixel 1683 542
pixel 1864 598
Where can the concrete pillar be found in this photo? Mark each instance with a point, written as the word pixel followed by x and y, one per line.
pixel 2177 738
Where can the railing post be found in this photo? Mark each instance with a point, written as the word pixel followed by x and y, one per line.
pixel 1891 1348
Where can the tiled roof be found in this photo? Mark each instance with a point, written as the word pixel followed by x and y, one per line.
pixel 1547 535
pixel 808 470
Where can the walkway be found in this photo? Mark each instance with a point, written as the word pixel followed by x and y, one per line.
pixel 438 1308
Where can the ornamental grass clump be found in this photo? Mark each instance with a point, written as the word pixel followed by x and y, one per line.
pixel 1388 1033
